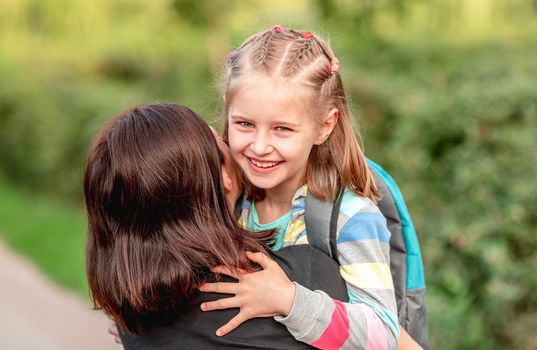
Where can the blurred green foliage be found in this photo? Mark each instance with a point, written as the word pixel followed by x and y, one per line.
pixel 461 139
pixel 444 93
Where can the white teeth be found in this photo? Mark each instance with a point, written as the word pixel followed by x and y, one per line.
pixel 263 164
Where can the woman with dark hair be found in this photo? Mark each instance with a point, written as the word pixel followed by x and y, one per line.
pixel 159 195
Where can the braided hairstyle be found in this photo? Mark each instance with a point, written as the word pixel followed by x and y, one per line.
pixel 305 62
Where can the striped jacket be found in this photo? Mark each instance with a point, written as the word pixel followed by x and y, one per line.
pixel 369 319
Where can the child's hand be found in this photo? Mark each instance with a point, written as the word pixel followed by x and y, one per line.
pixel 113 331
pixel 258 294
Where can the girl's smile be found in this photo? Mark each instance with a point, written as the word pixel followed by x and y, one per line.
pixel 263 166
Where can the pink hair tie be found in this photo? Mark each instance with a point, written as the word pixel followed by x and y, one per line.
pixel 307 35
pixel 277 29
pixel 232 55
pixel 333 66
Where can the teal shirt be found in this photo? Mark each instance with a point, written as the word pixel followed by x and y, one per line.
pixel 280 225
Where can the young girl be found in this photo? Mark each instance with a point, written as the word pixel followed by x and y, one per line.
pixel 289 128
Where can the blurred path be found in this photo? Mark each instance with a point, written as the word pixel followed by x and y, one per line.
pixel 37 314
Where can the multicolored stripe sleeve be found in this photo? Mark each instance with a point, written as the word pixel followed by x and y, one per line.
pixel 369 320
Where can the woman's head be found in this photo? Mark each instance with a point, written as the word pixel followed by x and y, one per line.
pixel 300 69
pixel 157 213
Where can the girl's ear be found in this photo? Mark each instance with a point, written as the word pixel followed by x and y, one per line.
pixel 327 126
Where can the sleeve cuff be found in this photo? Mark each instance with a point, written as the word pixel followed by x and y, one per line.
pixel 304 320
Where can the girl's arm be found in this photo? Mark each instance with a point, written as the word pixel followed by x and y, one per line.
pixel 369 320
pixel 311 318
pixel 264 293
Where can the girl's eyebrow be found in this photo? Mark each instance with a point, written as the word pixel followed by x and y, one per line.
pixel 285 123
pixel 239 116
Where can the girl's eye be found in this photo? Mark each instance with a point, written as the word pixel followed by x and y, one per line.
pixel 245 124
pixel 282 128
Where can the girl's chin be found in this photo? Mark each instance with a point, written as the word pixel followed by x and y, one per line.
pixel 262 185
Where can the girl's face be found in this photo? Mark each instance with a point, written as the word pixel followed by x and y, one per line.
pixel 270 137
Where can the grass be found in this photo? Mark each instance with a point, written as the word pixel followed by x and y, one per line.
pixel 49 233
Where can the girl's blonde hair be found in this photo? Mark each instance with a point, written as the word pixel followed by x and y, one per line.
pixel 305 62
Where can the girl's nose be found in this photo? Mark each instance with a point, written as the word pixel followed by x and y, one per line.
pixel 260 146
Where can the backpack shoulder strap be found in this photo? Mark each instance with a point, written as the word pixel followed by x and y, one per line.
pixel 321 223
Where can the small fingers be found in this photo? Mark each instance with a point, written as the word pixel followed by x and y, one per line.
pixel 235 273
pixel 232 324
pixel 221 304
pixel 114 331
pixel 260 258
pixel 220 287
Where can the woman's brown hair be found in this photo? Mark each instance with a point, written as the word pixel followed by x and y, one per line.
pixel 158 219
pixel 301 61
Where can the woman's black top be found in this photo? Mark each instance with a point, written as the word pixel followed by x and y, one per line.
pixel 195 329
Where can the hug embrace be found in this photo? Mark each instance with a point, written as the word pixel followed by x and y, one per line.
pixel 169 261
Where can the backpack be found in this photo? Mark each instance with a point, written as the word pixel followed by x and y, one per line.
pixel 405 256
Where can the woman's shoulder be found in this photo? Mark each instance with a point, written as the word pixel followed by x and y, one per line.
pixel 312 269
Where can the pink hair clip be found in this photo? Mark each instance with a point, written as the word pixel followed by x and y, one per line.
pixel 307 35
pixel 333 66
pixel 277 28
pixel 232 55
